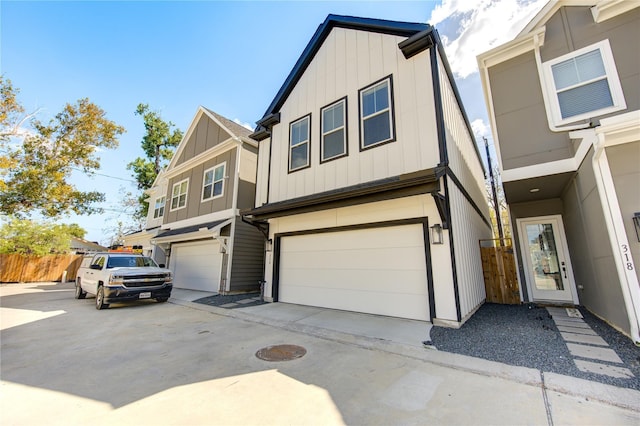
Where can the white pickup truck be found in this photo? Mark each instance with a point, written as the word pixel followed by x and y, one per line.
pixel 119 277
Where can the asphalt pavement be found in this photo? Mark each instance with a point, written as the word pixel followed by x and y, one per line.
pixel 184 363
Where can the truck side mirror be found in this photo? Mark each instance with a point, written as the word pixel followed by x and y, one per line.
pixel 95 266
pixel 162 265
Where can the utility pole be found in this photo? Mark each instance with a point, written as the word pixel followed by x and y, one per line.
pixel 496 205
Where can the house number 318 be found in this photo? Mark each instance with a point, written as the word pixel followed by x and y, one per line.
pixel 627 259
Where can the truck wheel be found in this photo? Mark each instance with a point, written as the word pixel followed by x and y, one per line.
pixel 79 293
pixel 162 299
pixel 100 299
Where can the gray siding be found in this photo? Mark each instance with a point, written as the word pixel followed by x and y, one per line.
pixel 248 257
pixel 521 118
pixel 523 131
pixel 624 161
pixel 573 28
pixel 247 183
pixel 206 135
pixel 195 207
pixel 591 256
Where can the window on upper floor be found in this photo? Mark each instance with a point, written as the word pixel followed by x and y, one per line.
pixel 376 114
pixel 583 84
pixel 299 141
pixel 213 182
pixel 179 194
pixel 333 138
pixel 158 210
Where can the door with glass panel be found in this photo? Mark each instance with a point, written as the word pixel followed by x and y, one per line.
pixel 546 259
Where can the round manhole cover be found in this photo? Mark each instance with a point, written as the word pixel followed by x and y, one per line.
pixel 281 353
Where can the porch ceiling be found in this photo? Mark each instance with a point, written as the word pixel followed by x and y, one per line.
pixel 550 186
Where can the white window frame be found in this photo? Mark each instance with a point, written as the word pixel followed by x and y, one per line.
pixel 390 109
pixel 307 141
pixel 158 208
pixel 213 181
pixel 612 78
pixel 344 152
pixel 186 192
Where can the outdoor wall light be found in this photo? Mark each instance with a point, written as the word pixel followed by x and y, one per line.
pixel 636 224
pixel 436 234
pixel 268 245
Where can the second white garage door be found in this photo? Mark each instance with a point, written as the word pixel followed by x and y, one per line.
pixel 379 271
pixel 196 266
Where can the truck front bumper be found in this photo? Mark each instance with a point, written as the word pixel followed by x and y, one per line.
pixel 124 294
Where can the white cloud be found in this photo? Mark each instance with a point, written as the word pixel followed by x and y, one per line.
pixel 245 125
pixel 473 27
pixel 480 128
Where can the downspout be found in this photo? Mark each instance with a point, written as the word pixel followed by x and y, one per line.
pixel 234 207
pixel 617 236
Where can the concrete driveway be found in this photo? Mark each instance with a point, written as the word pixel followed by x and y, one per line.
pixel 64 362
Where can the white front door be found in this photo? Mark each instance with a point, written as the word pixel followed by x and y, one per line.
pixel 546 259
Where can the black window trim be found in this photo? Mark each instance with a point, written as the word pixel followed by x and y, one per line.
pixel 392 113
pixel 346 132
pixel 308 142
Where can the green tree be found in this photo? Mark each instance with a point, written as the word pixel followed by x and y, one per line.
pixel 24 236
pixel 36 163
pixel 73 229
pixel 159 143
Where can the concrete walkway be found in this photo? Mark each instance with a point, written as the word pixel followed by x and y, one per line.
pixel 185 363
pixel 405 337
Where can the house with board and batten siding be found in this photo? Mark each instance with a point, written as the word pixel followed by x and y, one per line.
pixel 370 186
pixel 194 208
pixel 564 103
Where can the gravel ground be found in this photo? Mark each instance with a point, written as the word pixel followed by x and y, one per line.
pixel 219 300
pixel 525 335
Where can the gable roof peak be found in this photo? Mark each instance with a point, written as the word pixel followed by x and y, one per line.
pixel 397 28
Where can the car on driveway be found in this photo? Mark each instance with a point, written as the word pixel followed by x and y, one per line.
pixel 121 277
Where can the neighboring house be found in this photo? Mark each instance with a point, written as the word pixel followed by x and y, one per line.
pixel 82 246
pixel 364 154
pixel 196 202
pixel 156 197
pixel 564 104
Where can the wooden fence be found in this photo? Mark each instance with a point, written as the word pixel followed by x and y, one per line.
pixel 17 268
pixel 500 274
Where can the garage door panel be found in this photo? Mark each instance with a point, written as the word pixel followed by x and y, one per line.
pixel 376 270
pixel 196 266
pixel 382 282
pixel 389 237
pixel 369 258
pixel 413 307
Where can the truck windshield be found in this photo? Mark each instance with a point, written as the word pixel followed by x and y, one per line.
pixel 129 261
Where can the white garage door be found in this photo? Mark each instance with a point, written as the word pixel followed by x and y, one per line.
pixel 196 266
pixel 379 271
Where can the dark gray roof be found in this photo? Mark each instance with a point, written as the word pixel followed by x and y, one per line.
pixel 189 229
pixel 405 29
pixel 234 127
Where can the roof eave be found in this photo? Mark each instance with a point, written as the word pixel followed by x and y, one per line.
pixel 404 29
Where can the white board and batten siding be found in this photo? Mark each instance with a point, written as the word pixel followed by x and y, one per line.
pixel 196 265
pixel 466 223
pixel 345 218
pixel 347 61
pixel 463 158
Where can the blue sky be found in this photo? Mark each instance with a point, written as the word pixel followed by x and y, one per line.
pixel 231 57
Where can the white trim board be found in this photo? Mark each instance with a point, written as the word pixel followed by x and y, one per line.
pixel 554 167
